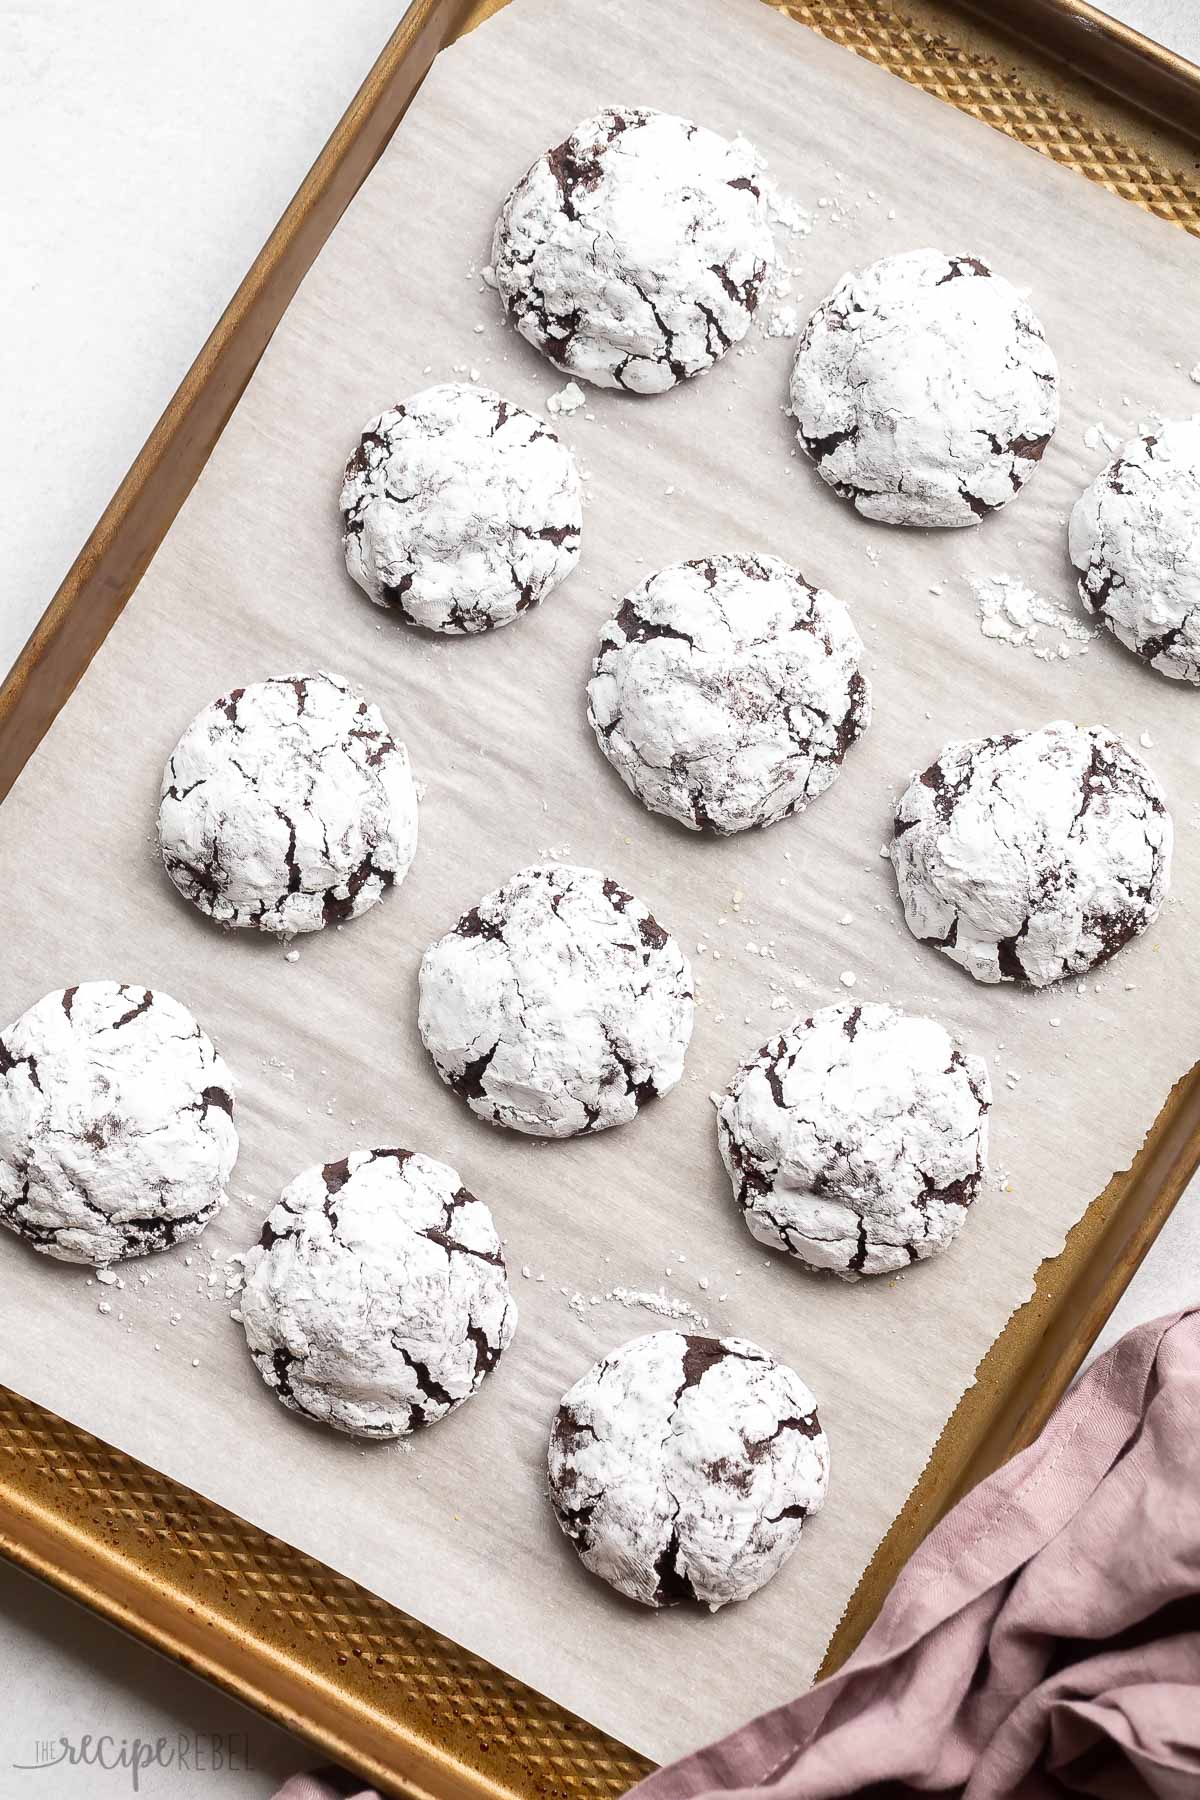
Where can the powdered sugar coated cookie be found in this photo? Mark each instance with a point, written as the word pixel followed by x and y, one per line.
pixel 460 509
pixel 683 1468
pixel 287 805
pixel 1035 855
pixel 727 691
pixel 558 1005
pixel 116 1124
pixel 924 390
pixel 1135 537
pixel 377 1299
pixel 633 253
pixel 857 1140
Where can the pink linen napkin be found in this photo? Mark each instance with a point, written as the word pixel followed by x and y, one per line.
pixel 1043 1641
pixel 325 1784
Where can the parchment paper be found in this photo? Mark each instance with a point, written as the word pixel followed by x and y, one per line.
pixel 455 1527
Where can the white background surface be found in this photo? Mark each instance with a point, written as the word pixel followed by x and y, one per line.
pixel 147 148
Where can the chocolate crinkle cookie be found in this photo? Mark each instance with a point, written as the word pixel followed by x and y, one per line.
pixel 924 390
pixel 633 253
pixel 116 1124
pixel 376 1299
pixel 558 1005
pixel 683 1468
pixel 1035 855
pixel 857 1140
pixel 460 509
pixel 1135 538
pixel 287 805
pixel 727 691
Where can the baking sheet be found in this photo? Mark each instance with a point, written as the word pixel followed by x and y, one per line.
pixel 454 1527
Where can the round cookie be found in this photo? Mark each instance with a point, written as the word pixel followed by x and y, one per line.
pixel 857 1140
pixel 727 691
pixel 460 510
pixel 1035 855
pixel 376 1299
pixel 683 1468
pixel 1135 538
pixel 924 390
pixel 633 253
pixel 116 1124
pixel 287 805
pixel 558 1005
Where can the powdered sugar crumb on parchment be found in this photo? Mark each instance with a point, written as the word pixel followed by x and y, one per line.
pixel 567 399
pixel 1013 613
pixel 651 1300
pixel 659 1302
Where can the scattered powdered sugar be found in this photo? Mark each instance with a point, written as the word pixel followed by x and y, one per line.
pixel 235 1274
pixel 780 317
pixel 1015 614
pixel 1194 374
pixel 567 400
pixel 1099 437
pixel 782 210
pixel 665 1305
pixel 784 321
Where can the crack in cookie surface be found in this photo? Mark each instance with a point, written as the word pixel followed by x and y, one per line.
pixel 924 390
pixel 683 1468
pixel 557 1005
pixel 116 1124
pixel 460 510
pixel 1035 855
pixel 633 254
pixel 286 806
pixel 1135 538
pixel 856 1140
pixel 376 1299
pixel 727 691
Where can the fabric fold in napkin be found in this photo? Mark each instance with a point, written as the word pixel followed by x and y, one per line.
pixel 324 1784
pixel 1044 1640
